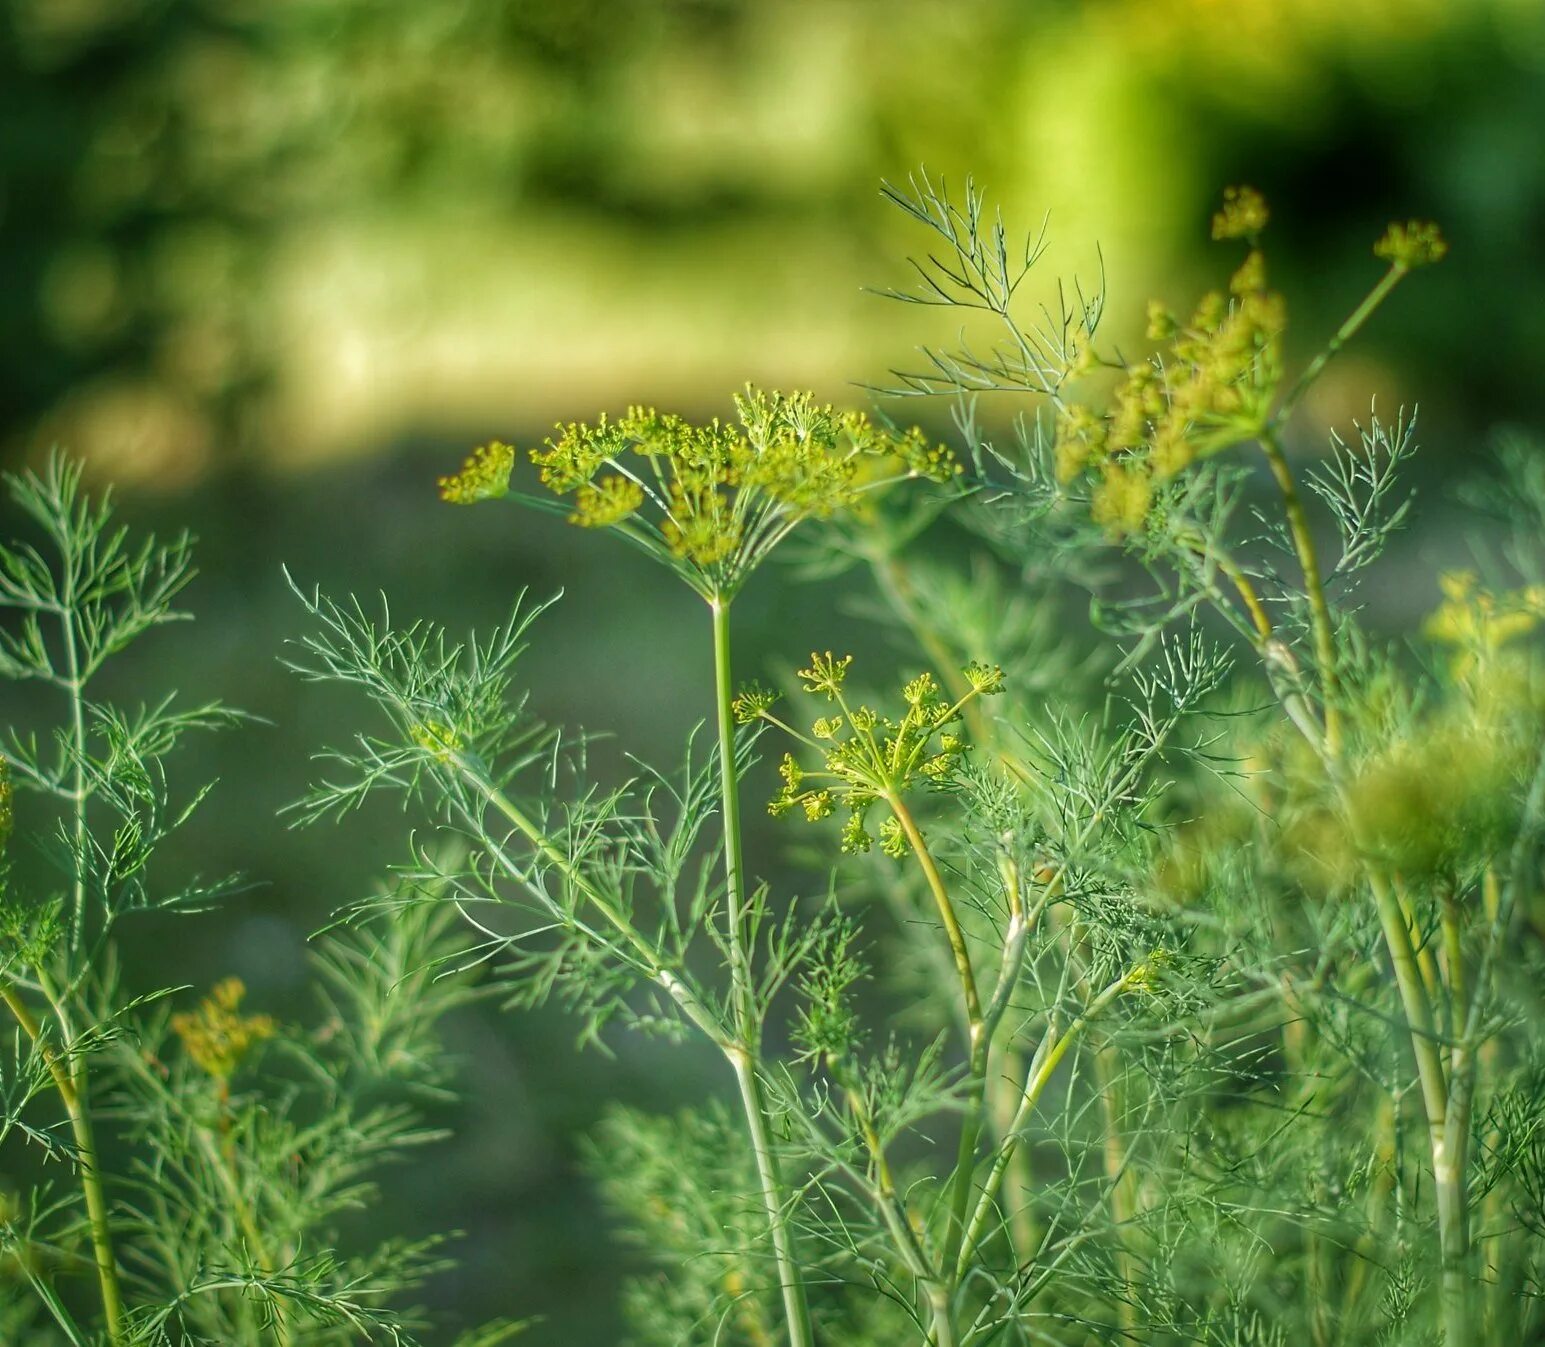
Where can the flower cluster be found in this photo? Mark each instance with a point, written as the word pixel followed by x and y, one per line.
pixel 484 476
pixel 866 756
pixel 1210 390
pixel 1244 215
pixel 713 499
pixel 216 1035
pixel 1416 243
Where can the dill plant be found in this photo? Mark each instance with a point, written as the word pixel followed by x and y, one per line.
pixel 878 1187
pixel 1164 988
pixel 1369 868
pixel 175 1176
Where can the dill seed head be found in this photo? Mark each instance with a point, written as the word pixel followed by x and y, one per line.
pixel 1412 244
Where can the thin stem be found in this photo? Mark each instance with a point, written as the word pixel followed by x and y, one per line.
pixel 646 954
pixel 74 685
pixel 71 1083
pixel 1445 1117
pixel 744 1057
pixel 1343 334
pixel 978 1037
pixel 1247 592
pixel 1048 1055
pixel 1314 587
pixel 729 795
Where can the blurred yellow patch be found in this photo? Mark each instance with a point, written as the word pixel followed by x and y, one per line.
pixel 1478 623
pixel 216 1035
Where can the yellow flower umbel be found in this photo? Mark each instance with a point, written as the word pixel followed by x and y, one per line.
pixel 484 476
pixel 216 1035
pixel 1209 390
pixel 1215 383
pixel 866 756
pixel 712 500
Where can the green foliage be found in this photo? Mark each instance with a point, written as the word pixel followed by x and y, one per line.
pixel 1179 989
pixel 1192 1011
pixel 206 1156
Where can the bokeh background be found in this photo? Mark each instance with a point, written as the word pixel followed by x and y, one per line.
pixel 271 265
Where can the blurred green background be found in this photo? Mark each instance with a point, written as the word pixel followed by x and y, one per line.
pixel 270 265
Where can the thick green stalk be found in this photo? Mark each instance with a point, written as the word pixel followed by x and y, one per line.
pixel 745 1055
pixel 71 1083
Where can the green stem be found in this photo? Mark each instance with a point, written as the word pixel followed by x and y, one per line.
pixel 745 1057
pixel 978 1037
pixel 1053 1048
pixel 1314 587
pixel 74 684
pixel 1343 334
pixel 71 1083
pixel 1444 1123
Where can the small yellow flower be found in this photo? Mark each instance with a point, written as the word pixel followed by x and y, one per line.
pixel 216 1035
pixel 608 501
pixel 1162 323
pixel 1122 500
pixel 1243 216
pixel 825 675
pixel 484 476
pixel 437 738
pixel 1251 275
pixel 1478 623
pixel 1416 243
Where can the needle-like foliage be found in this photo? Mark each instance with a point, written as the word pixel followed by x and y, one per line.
pixel 205 1154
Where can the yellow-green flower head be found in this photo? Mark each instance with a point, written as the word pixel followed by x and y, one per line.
pixel 713 500
pixel 607 501
pixel 1211 389
pixel 825 675
pixel 1416 243
pixel 855 837
pixel 893 839
pixel 866 756
pixel 484 476
pixel 1121 501
pixel 986 679
pixel 437 738
pixel 1162 324
pixel 751 702
pixel 216 1035
pixel 1243 216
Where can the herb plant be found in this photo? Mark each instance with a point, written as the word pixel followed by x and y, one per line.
pixel 1175 981
pixel 201 1157
pixel 1189 1009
